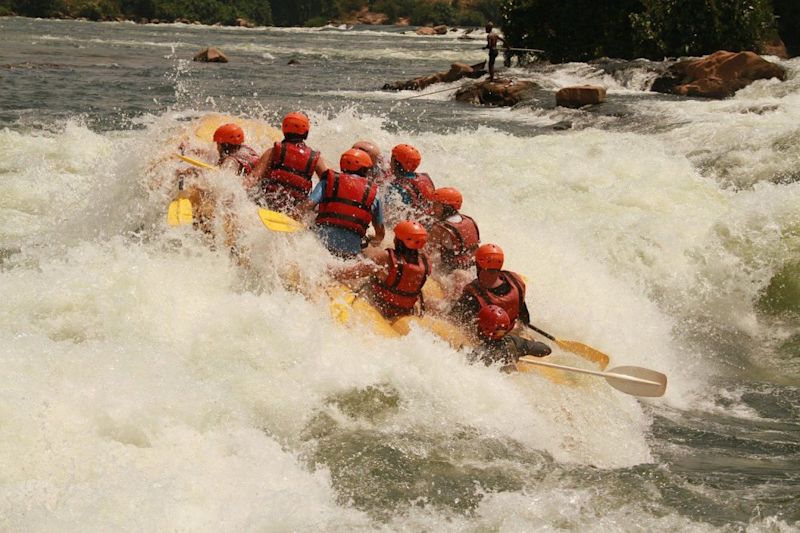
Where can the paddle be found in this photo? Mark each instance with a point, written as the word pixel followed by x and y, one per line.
pixel 195 162
pixel 578 348
pixel 276 221
pixel 179 212
pixel 633 380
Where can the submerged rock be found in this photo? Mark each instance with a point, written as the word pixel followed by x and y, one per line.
pixel 496 93
pixel 210 55
pixel 456 72
pixel 580 95
pixel 718 75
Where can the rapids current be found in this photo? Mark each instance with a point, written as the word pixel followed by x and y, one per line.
pixel 150 383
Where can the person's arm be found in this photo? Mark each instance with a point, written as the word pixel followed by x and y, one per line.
pixel 465 309
pixel 321 167
pixel 314 198
pixel 375 267
pixel 377 223
pixel 261 169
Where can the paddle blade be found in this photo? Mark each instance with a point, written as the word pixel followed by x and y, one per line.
pixel 637 381
pixel 587 352
pixel 195 162
pixel 276 221
pixel 179 212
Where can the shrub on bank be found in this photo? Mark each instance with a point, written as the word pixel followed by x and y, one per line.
pixel 585 29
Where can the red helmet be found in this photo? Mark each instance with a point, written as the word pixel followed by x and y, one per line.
pixel 448 196
pixel 408 157
pixel 354 160
pixel 411 233
pixel 295 123
pixel 493 321
pixel 229 134
pixel 489 257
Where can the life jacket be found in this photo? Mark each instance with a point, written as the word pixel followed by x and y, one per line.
pixel 398 293
pixel 246 157
pixel 291 168
pixel 418 189
pixel 466 239
pixel 512 301
pixel 347 202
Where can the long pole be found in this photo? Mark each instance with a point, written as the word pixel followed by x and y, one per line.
pixel 433 92
pixel 526 50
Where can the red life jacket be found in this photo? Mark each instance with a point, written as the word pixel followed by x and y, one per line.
pixel 419 190
pixel 512 301
pixel 246 157
pixel 465 237
pixel 291 168
pixel 347 202
pixel 398 294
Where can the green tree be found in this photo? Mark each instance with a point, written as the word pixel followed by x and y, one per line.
pixel 699 27
pixel 578 30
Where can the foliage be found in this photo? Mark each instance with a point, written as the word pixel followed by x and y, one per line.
pixel 698 27
pixel 297 12
pixel 432 13
pixel 575 31
pixel 585 29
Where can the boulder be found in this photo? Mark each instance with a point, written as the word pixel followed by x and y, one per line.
pixel 365 16
pixel 456 72
pixel 426 31
pixel 244 23
pixel 718 75
pixel 210 55
pixel 775 47
pixel 496 93
pixel 440 30
pixel 580 95
pixel 402 21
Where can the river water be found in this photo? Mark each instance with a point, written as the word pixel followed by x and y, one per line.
pixel 149 383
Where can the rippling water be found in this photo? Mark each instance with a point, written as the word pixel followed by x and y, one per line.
pixel 149 383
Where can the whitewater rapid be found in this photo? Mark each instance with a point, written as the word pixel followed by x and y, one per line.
pixel 150 382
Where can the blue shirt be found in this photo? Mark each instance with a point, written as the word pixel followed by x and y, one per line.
pixel 377 206
pixel 342 241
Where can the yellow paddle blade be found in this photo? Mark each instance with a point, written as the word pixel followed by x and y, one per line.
pixel 195 162
pixel 179 212
pixel 276 221
pixel 587 352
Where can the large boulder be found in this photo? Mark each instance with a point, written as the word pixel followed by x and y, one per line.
pixel 427 30
pixel 210 55
pixel 440 30
pixel 456 72
pixel 496 93
pixel 718 75
pixel 580 95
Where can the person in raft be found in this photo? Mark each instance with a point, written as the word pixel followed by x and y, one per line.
pixel 397 275
pixel 454 237
pixel 409 192
pixel 233 153
pixel 493 286
pixel 282 177
pixel 379 172
pixel 347 203
pixel 498 345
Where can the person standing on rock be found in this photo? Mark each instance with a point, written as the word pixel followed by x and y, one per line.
pixel 491 45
